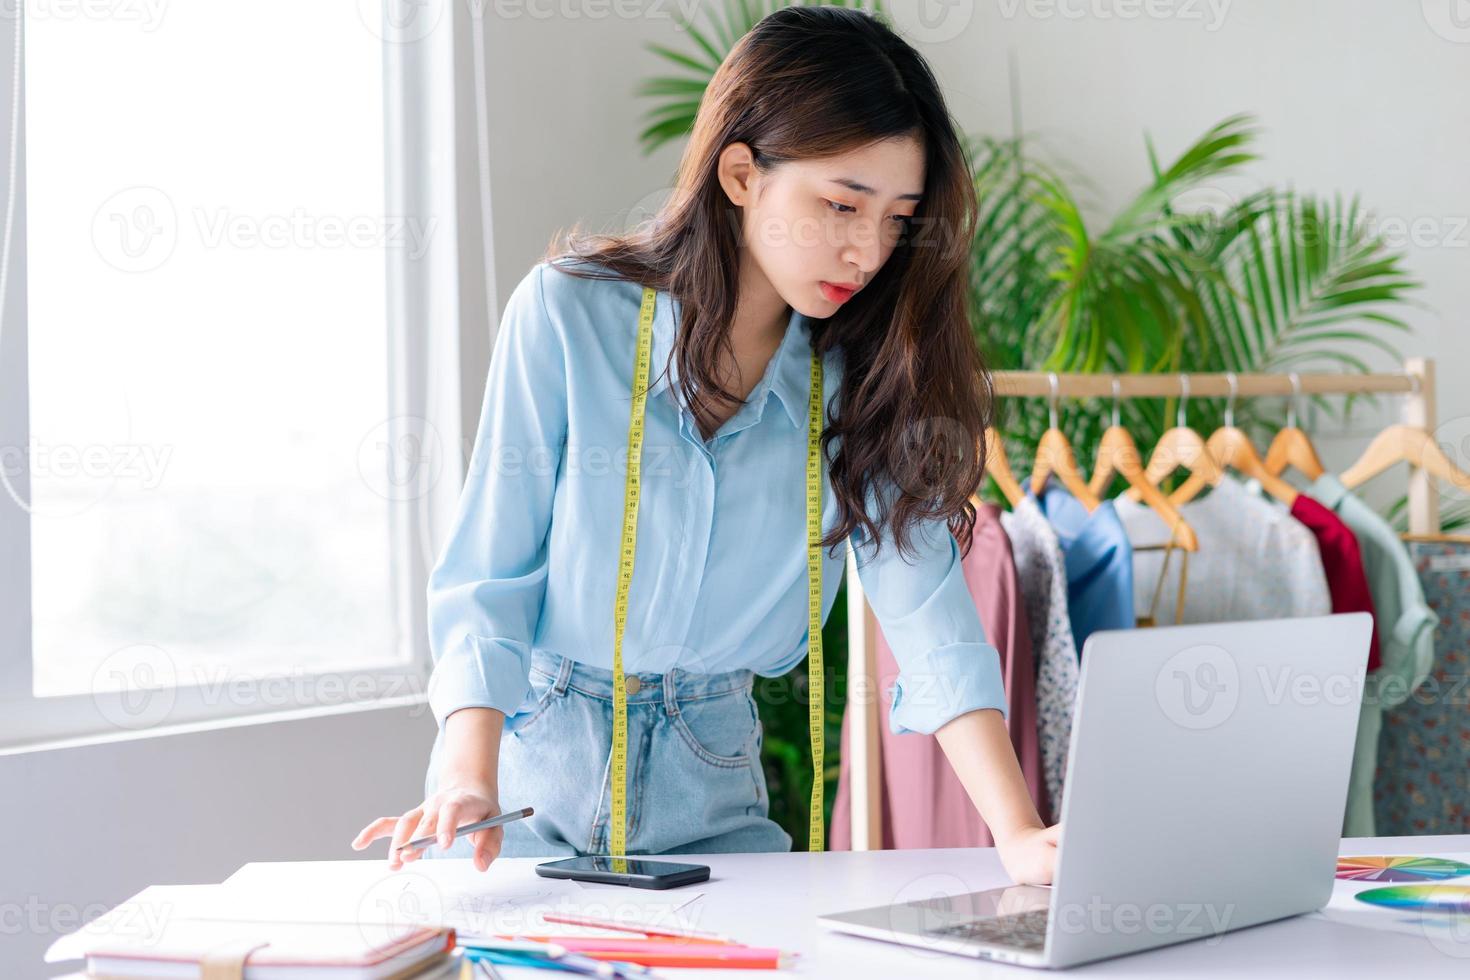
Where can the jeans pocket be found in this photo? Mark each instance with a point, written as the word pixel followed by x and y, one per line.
pixel 722 730
pixel 543 689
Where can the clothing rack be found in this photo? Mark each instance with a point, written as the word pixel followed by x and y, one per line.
pixel 1415 383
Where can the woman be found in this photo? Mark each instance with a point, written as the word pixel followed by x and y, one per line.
pixel 823 204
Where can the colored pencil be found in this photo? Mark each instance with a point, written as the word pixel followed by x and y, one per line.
pixel 651 952
pixel 592 920
pixel 644 952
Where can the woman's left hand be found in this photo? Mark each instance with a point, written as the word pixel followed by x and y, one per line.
pixel 1030 855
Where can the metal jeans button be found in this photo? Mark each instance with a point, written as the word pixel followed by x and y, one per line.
pixel 633 685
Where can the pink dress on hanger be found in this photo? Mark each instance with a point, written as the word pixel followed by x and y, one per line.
pixel 923 801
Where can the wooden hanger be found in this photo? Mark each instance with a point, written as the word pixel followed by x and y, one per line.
pixel 1054 455
pixel 1404 444
pixel 999 469
pixel 1118 453
pixel 1180 446
pixel 1292 447
pixel 1233 449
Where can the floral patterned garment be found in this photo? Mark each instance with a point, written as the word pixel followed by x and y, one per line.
pixel 1041 570
pixel 1422 785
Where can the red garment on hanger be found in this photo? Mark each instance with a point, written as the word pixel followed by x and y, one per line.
pixel 1342 562
pixel 923 802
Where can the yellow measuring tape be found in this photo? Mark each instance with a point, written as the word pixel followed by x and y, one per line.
pixel 617 846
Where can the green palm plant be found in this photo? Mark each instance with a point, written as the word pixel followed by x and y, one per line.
pixel 678 95
pixel 1274 281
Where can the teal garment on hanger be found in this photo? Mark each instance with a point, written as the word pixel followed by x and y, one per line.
pixel 1406 634
pixel 1099 561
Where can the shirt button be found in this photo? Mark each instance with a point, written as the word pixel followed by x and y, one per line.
pixel 633 685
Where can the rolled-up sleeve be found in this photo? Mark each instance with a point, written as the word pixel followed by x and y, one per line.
pixel 486 589
pixel 924 606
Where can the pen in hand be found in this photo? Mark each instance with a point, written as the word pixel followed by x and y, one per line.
pixel 470 828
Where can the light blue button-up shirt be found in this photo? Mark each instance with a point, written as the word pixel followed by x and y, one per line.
pixel 720 575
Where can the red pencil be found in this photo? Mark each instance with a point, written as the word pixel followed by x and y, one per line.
pixel 673 940
pixel 694 935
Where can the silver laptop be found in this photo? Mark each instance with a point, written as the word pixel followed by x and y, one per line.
pixel 1205 791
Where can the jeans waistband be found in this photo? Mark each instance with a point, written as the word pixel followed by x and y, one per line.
pixel 669 687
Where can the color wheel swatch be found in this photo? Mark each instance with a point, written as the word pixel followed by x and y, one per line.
pixel 1420 898
pixel 1398 869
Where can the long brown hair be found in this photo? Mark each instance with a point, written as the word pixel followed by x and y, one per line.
pixel 806 83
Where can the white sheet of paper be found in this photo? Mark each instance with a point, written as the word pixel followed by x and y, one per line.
pixel 140 917
pixel 451 891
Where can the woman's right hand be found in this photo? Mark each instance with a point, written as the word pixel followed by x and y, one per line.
pixel 454 804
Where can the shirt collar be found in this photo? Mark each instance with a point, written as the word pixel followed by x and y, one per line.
pixel 1328 491
pixel 1088 538
pixel 788 375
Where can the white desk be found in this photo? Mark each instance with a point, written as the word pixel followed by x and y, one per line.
pixel 773 900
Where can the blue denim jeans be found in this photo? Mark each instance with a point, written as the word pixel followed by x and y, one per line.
pixel 695 781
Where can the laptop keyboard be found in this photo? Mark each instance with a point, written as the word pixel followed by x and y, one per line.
pixel 1022 930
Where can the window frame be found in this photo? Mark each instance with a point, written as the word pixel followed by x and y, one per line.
pixel 419 82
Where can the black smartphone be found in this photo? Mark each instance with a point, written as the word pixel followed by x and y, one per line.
pixel 634 872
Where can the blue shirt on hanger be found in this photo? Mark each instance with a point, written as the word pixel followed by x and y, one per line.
pixel 1099 560
pixel 720 573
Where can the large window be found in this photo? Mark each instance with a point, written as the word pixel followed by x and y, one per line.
pixel 218 474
